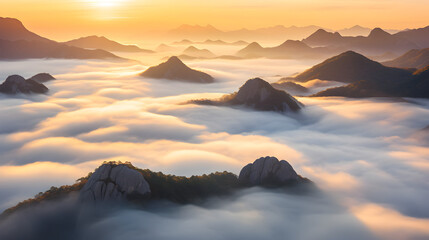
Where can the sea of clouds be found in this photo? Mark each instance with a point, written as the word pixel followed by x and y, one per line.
pixel 369 156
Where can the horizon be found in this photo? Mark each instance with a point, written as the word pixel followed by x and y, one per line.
pixel 130 19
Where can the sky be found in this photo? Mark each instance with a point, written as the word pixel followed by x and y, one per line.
pixel 63 19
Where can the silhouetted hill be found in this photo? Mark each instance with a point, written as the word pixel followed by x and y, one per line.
pixel 175 69
pixel 290 49
pixel 34 49
pixel 418 36
pixel 183 42
pixel 95 42
pixel 12 29
pixel 16 84
pixel 16 42
pixel 164 48
pixel 386 82
pixel 378 42
pixel 323 38
pixel 355 31
pixel 259 95
pixel 416 58
pixel 201 33
pixel 42 77
pixel 351 67
pixel 198 53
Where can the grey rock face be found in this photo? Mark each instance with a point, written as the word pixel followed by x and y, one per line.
pixel 268 171
pixel 114 182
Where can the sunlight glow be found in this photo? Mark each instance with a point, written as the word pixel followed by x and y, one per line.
pixel 106 3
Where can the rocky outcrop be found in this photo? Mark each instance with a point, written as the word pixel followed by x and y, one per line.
pixel 175 69
pixel 16 84
pixel 42 77
pixel 259 95
pixel 269 171
pixel 113 182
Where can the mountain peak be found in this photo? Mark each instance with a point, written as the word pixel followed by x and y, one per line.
pixel 174 60
pixel 378 33
pixel 175 69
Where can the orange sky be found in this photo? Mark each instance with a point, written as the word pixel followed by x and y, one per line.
pixel 124 19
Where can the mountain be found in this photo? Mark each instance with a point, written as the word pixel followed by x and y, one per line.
pixel 290 87
pixel 34 49
pixel 42 77
pixel 12 29
pixel 200 33
pixel 269 172
pixel 119 183
pixel 371 79
pixel 175 69
pixel 290 49
pixel 418 36
pixel 416 58
pixel 198 53
pixel 323 38
pixel 164 48
pixel 16 42
pixel 259 95
pixel 355 31
pixel 378 42
pixel 351 67
pixel 183 42
pixel 96 42
pixel 220 42
pixel 16 84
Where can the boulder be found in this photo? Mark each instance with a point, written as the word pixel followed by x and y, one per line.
pixel 268 171
pixel 114 182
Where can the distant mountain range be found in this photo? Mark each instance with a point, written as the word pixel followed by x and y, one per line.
pixel 16 42
pixel 96 42
pixel 377 42
pixel 201 33
pixel 175 69
pixel 367 78
pixel 211 42
pixel 198 53
pixel 292 49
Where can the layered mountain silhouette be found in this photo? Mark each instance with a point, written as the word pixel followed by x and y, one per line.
pixel 16 84
pixel 198 53
pixel 201 33
pixel 175 69
pixel 164 48
pixel 378 41
pixel 323 38
pixel 355 31
pixel 416 58
pixel 16 42
pixel 289 49
pixel 259 95
pixel 96 42
pixel 368 78
pixel 419 36
pixel 351 67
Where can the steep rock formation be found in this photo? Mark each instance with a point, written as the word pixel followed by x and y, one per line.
pixel 269 171
pixel 111 182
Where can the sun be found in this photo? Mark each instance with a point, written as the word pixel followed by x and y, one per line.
pixel 106 3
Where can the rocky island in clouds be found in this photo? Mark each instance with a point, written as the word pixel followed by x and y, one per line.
pixel 214 120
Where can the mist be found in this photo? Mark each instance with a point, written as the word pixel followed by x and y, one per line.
pixel 368 156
